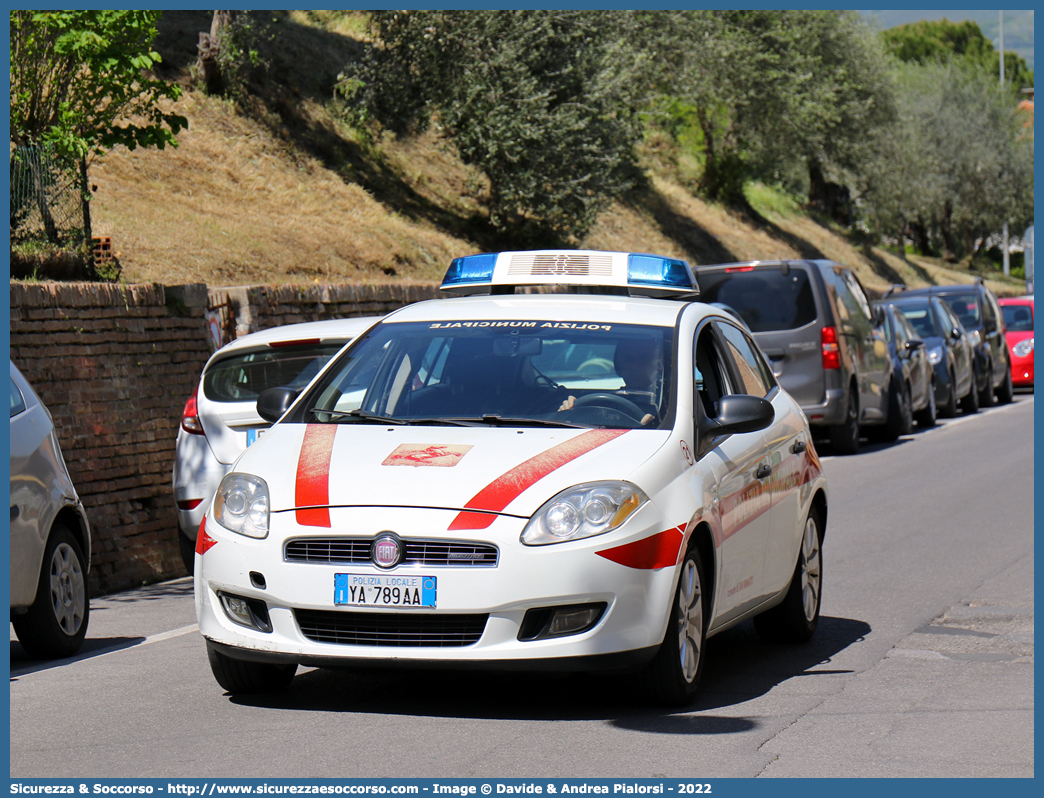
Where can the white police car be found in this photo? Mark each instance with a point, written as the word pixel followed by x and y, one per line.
pixel 600 477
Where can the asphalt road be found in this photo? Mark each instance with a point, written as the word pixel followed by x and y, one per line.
pixel 922 665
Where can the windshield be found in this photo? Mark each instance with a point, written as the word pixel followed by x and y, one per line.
pixel 503 373
pixel 1018 318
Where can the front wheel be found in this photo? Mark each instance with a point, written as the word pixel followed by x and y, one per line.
pixel 927 415
pixel 56 623
pixel 673 676
pixel 796 619
pixel 949 410
pixel 900 412
pixel 970 402
pixel 986 394
pixel 1006 392
pixel 239 676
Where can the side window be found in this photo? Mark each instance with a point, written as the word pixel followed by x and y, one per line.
pixel 992 311
pixel 858 295
pixel 709 373
pixel 17 401
pixel 748 366
pixel 947 317
pixel 900 334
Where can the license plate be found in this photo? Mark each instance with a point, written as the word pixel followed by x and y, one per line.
pixel 384 590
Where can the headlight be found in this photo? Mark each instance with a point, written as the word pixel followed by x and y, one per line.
pixel 1023 347
pixel 241 505
pixel 583 511
pixel 974 338
pixel 935 354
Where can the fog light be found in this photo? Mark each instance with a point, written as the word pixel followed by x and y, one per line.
pixel 542 622
pixel 251 613
pixel 569 622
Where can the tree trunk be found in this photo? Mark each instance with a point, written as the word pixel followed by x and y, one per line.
pixel 710 163
pixel 922 241
pixel 830 199
pixel 949 252
pixel 88 236
pixel 209 48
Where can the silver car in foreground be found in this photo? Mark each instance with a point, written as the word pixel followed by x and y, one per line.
pixel 50 536
pixel 220 419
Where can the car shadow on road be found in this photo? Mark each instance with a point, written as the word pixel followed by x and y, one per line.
pixel 23 664
pixel 739 669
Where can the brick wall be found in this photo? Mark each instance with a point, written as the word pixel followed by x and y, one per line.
pixel 115 364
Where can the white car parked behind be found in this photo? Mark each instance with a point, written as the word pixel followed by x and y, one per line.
pixel 220 418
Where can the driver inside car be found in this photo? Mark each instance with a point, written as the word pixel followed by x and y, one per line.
pixel 639 363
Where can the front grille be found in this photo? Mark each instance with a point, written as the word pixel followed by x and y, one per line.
pixel 356 551
pixel 561 264
pixel 390 629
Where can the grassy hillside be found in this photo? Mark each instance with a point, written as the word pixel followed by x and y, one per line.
pixel 275 189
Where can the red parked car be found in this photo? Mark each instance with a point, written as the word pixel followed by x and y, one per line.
pixel 1018 321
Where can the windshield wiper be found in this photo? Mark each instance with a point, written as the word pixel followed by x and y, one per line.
pixel 360 415
pixel 501 421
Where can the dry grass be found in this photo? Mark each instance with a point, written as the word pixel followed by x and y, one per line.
pixel 286 193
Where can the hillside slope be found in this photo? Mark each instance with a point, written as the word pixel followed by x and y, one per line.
pixel 277 190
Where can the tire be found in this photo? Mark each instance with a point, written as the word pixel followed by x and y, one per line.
pixel 949 410
pixel 844 437
pixel 673 676
pixel 796 619
pixel 986 394
pixel 238 676
pixel 927 415
pixel 970 402
pixel 56 623
pixel 188 551
pixel 900 413
pixel 1006 392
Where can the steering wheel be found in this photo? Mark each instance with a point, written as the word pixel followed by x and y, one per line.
pixel 612 402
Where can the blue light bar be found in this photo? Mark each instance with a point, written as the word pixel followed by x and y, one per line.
pixel 654 270
pixel 470 269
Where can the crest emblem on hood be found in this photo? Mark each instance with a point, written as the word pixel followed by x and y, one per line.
pixel 442 455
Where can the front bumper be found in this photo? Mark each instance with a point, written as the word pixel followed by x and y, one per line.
pixel 1022 371
pixel 627 634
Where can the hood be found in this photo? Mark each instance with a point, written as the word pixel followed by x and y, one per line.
pixel 477 470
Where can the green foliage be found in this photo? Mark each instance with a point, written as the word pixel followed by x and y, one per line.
pixel 80 82
pixel 239 47
pixel 544 103
pixel 938 40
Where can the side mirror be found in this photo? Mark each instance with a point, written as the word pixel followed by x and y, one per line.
pixel 914 344
pixel 955 334
pixel 274 402
pixel 741 413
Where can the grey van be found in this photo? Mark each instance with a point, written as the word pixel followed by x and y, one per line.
pixel 814 322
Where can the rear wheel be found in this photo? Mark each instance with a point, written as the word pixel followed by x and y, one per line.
pixel 796 619
pixel 56 623
pixel 970 402
pixel 986 394
pixel 844 437
pixel 949 410
pixel 673 676
pixel 926 416
pixel 1006 392
pixel 239 676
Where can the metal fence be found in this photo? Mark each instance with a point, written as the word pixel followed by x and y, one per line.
pixel 46 198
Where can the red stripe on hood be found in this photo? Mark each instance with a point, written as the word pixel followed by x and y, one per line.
pixel 657 551
pixel 313 475
pixel 499 493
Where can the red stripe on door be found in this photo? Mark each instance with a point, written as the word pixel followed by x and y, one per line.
pixel 313 475
pixel 657 551
pixel 499 493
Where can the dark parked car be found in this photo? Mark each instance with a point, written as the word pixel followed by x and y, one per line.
pixel 915 398
pixel 826 344
pixel 977 308
pixel 949 351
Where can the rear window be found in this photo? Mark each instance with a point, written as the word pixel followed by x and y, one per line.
pixel 1018 318
pixel 764 298
pixel 242 377
pixel 966 308
pixel 921 319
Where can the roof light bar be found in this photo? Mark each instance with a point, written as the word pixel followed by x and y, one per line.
pixel 586 271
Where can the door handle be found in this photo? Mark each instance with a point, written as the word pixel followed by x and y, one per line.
pixel 798 447
pixel 763 471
